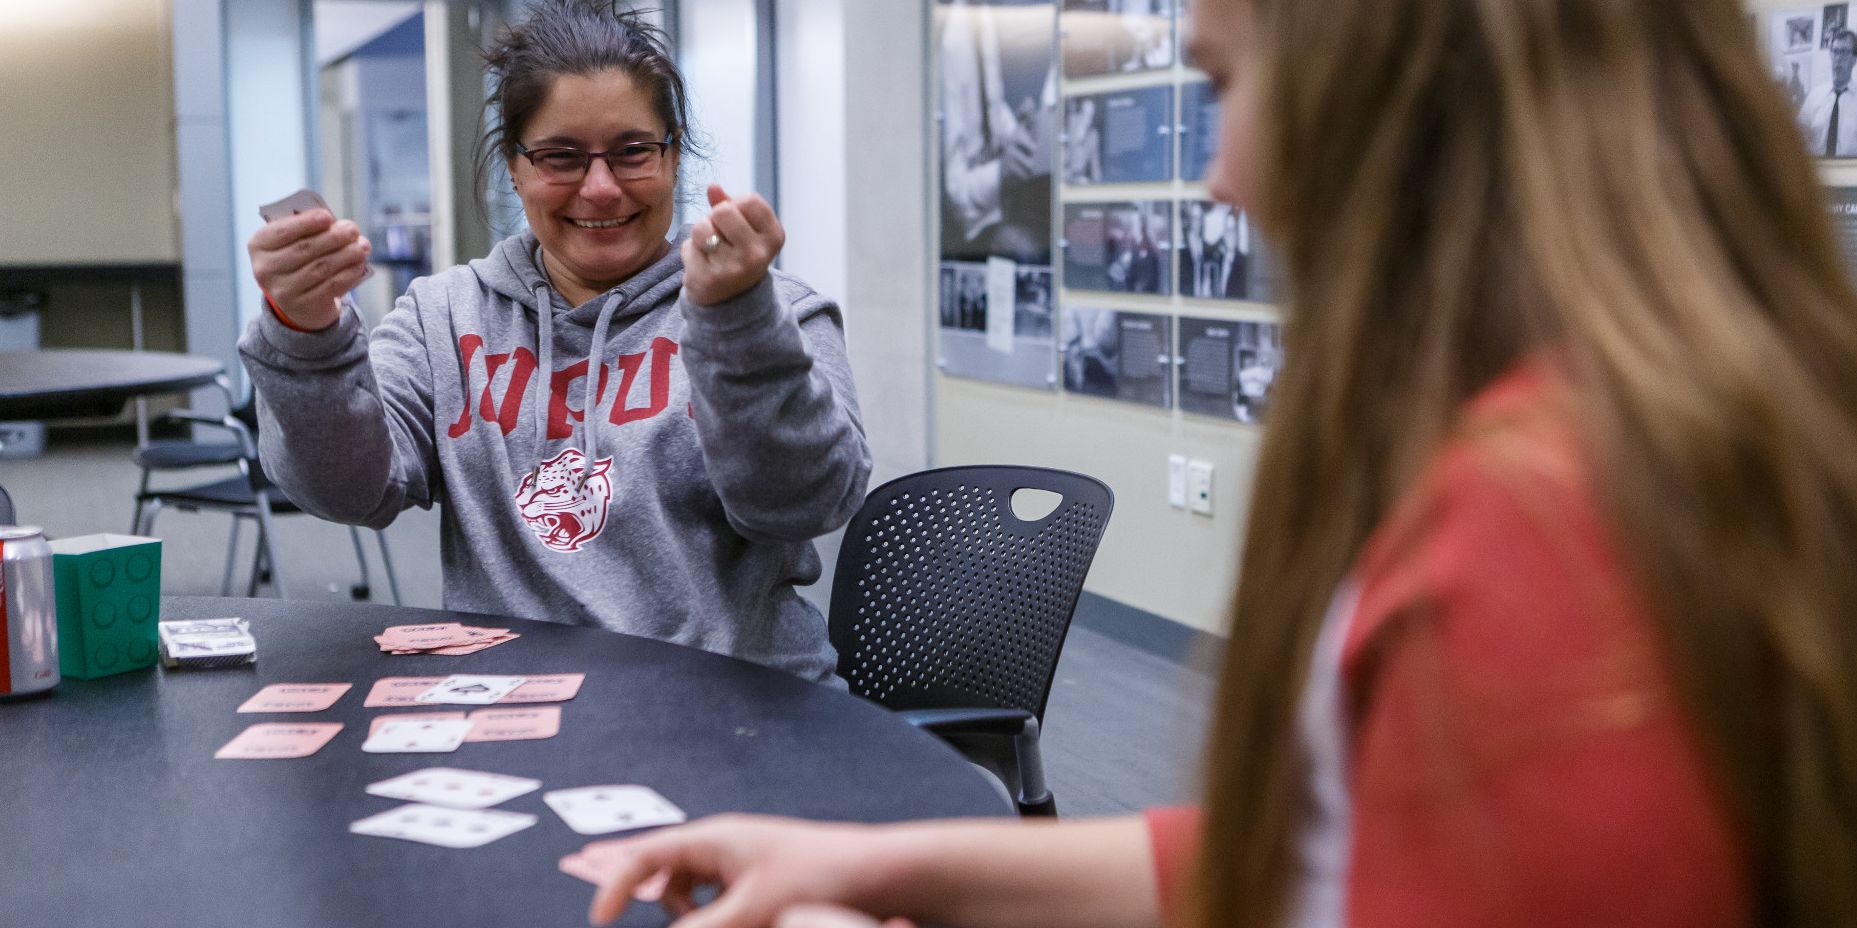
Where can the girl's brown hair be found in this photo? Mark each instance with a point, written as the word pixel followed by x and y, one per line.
pixel 1456 185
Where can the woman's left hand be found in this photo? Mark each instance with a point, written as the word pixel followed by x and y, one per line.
pixel 730 250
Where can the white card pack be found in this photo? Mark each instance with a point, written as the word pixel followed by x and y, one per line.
pixel 599 810
pixel 443 827
pixel 416 736
pixel 463 689
pixel 453 788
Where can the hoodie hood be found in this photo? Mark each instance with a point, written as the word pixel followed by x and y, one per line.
pixel 513 269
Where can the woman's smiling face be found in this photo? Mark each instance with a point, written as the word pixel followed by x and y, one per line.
pixel 600 231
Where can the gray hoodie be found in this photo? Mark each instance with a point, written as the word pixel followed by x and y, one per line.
pixel 722 440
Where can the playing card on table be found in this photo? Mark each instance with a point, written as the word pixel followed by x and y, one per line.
pixel 279 740
pixel 598 810
pixel 379 720
pixel 435 736
pixel 444 827
pixel 398 691
pixel 466 689
pixel 295 697
pixel 453 788
pixel 557 687
pixel 516 724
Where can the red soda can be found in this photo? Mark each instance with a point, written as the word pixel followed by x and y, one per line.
pixel 28 612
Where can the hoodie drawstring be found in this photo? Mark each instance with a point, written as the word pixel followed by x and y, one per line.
pixel 545 367
pixel 590 396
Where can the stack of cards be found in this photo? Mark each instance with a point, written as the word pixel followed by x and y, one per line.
pixel 205 643
pixel 448 638
pixel 450 807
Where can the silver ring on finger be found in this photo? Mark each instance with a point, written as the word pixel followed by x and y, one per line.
pixel 713 242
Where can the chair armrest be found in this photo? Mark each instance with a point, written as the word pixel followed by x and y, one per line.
pixel 969 721
pixel 229 423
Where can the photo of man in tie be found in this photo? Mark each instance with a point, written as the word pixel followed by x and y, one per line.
pixel 1828 116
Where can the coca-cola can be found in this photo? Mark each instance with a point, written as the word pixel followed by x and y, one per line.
pixel 28 612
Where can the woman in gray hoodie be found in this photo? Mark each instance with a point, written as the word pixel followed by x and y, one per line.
pixel 623 429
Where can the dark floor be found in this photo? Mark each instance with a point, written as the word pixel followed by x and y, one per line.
pixel 1122 731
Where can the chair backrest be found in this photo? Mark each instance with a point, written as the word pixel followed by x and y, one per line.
pixel 944 597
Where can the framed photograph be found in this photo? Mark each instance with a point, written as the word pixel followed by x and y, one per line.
pixel 1119 355
pixel 1228 369
pixel 1221 255
pixel 1844 222
pixel 1120 137
pixel 1813 51
pixel 1199 129
pixel 1117 36
pixel 1014 344
pixel 998 101
pixel 1122 247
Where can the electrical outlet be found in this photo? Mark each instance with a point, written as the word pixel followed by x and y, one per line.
pixel 1176 481
pixel 1199 486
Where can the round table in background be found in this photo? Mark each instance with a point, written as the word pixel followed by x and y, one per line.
pixel 71 384
pixel 113 810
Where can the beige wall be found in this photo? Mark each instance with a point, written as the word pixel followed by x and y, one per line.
pixel 88 114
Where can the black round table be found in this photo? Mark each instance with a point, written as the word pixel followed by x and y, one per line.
pixel 70 384
pixel 113 810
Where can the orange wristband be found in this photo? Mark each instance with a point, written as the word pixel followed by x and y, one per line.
pixel 283 318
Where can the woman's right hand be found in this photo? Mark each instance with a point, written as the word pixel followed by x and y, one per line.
pixel 305 262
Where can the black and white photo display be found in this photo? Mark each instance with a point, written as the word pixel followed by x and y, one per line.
pixel 1013 346
pixel 1119 355
pixel 1227 369
pixel 1123 247
pixel 1117 36
pixel 999 107
pixel 1844 222
pixel 998 99
pixel 1813 51
pixel 1221 255
pixel 1199 129
pixel 1120 137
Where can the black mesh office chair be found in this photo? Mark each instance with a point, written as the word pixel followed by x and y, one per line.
pixel 6 508
pixel 247 495
pixel 950 609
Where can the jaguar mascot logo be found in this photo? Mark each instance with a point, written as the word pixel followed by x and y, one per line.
pixel 564 502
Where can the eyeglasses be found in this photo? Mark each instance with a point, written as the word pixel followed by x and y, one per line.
pixel 632 161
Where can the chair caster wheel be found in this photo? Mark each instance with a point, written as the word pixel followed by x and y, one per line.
pixel 358 592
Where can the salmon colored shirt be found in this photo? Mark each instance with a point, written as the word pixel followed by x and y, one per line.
pixel 1516 756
